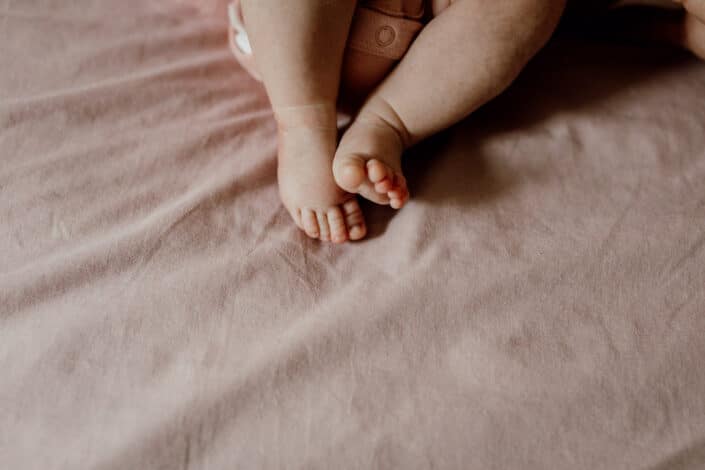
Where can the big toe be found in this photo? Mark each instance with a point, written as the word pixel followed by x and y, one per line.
pixel 349 172
pixel 309 222
pixel 368 159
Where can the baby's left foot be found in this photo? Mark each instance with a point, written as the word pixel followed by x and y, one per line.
pixel 368 159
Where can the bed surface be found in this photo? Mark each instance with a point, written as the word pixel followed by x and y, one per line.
pixel 539 304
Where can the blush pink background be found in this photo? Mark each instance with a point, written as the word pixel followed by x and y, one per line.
pixel 539 304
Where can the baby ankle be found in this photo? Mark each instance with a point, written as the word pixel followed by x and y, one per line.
pixel 321 115
pixel 380 112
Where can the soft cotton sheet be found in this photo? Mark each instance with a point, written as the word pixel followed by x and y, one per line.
pixel 539 304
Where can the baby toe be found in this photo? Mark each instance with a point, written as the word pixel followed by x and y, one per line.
pixel 384 186
pixel 400 181
pixel 398 191
pixel 310 223
pixel 324 228
pixel 336 222
pixel 377 171
pixel 398 197
pixel 354 220
pixel 396 203
pixel 370 194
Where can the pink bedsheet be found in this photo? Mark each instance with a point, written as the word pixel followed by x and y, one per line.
pixel 540 303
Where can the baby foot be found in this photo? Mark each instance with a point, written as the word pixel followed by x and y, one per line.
pixel 694 7
pixel 317 205
pixel 694 33
pixel 368 159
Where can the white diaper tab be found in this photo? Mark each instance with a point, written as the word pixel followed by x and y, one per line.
pixel 241 39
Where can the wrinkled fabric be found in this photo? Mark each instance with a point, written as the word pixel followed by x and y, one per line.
pixel 539 303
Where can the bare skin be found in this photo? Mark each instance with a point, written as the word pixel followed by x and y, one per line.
pixel 693 35
pixel 485 46
pixel 299 52
pixel 414 103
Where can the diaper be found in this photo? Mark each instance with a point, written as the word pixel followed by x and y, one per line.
pixel 383 28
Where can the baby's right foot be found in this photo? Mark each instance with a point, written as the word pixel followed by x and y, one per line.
pixel 368 159
pixel 694 33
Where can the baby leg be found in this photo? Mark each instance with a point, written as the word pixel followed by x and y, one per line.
pixel 694 7
pixel 467 55
pixel 693 37
pixel 298 47
pixel 686 31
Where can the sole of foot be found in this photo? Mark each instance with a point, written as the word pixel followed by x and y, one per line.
pixel 368 161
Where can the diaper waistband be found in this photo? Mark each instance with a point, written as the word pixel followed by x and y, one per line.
pixel 382 34
pixel 384 28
